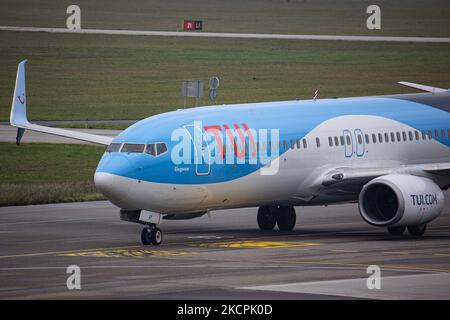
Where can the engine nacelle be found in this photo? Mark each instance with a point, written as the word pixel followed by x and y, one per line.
pixel 400 200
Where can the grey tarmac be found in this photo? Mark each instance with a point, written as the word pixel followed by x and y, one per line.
pixel 225 256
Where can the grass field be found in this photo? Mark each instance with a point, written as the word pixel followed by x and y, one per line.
pixel 399 17
pixel 118 77
pixel 114 77
pixel 45 173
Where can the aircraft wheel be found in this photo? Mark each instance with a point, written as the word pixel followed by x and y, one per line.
pixel 396 231
pixel 266 217
pixel 417 230
pixel 146 236
pixel 286 218
pixel 156 237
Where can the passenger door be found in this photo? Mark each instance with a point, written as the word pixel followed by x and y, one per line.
pixel 360 144
pixel 202 156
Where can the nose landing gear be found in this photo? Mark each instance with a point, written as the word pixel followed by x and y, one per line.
pixel 151 235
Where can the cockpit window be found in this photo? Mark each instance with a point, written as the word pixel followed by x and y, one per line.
pixel 151 149
pixel 156 149
pixel 133 148
pixel 161 148
pixel 114 147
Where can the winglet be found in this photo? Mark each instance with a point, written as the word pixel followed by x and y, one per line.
pixel 19 119
pixel 19 103
pixel 18 116
pixel 422 87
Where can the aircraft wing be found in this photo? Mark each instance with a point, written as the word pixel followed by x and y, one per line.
pixel 19 119
pixel 422 87
pixel 437 168
pixel 359 176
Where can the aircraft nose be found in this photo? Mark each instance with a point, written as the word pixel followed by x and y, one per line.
pixel 110 179
pixel 115 188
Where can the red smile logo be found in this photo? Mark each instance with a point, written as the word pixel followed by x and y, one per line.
pixel 20 99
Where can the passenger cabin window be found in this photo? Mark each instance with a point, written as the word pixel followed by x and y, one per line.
pixel 304 143
pixel 424 135
pixel 404 135
pixel 399 138
pixel 318 142
pixel 342 140
pixel 114 147
pixel 392 137
pixel 330 141
pixel 374 138
pixel 410 135
pixel 133 147
pixel 416 134
pixel 298 143
pixel 336 141
pixel 366 137
pixel 386 137
pixel 380 137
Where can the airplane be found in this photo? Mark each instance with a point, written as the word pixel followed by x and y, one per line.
pixel 390 154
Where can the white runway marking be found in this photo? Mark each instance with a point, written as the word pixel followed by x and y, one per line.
pixel 230 35
pixel 422 286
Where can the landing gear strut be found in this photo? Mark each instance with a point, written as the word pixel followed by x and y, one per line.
pixel 283 216
pixel 151 235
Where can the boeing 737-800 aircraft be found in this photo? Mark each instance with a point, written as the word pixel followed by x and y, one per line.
pixel 388 153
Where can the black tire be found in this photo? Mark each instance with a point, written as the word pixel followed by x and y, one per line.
pixel 145 236
pixel 396 231
pixel 286 218
pixel 417 230
pixel 266 217
pixel 156 237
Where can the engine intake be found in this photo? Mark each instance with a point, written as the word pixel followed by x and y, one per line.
pixel 400 200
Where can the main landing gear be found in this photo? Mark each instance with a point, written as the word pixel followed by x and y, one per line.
pixel 283 216
pixel 417 231
pixel 151 235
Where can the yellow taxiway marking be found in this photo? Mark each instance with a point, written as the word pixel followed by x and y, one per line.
pixel 361 265
pixel 35 254
pixel 258 244
pixel 61 252
pixel 122 253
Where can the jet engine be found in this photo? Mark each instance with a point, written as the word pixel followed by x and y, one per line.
pixel 398 200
